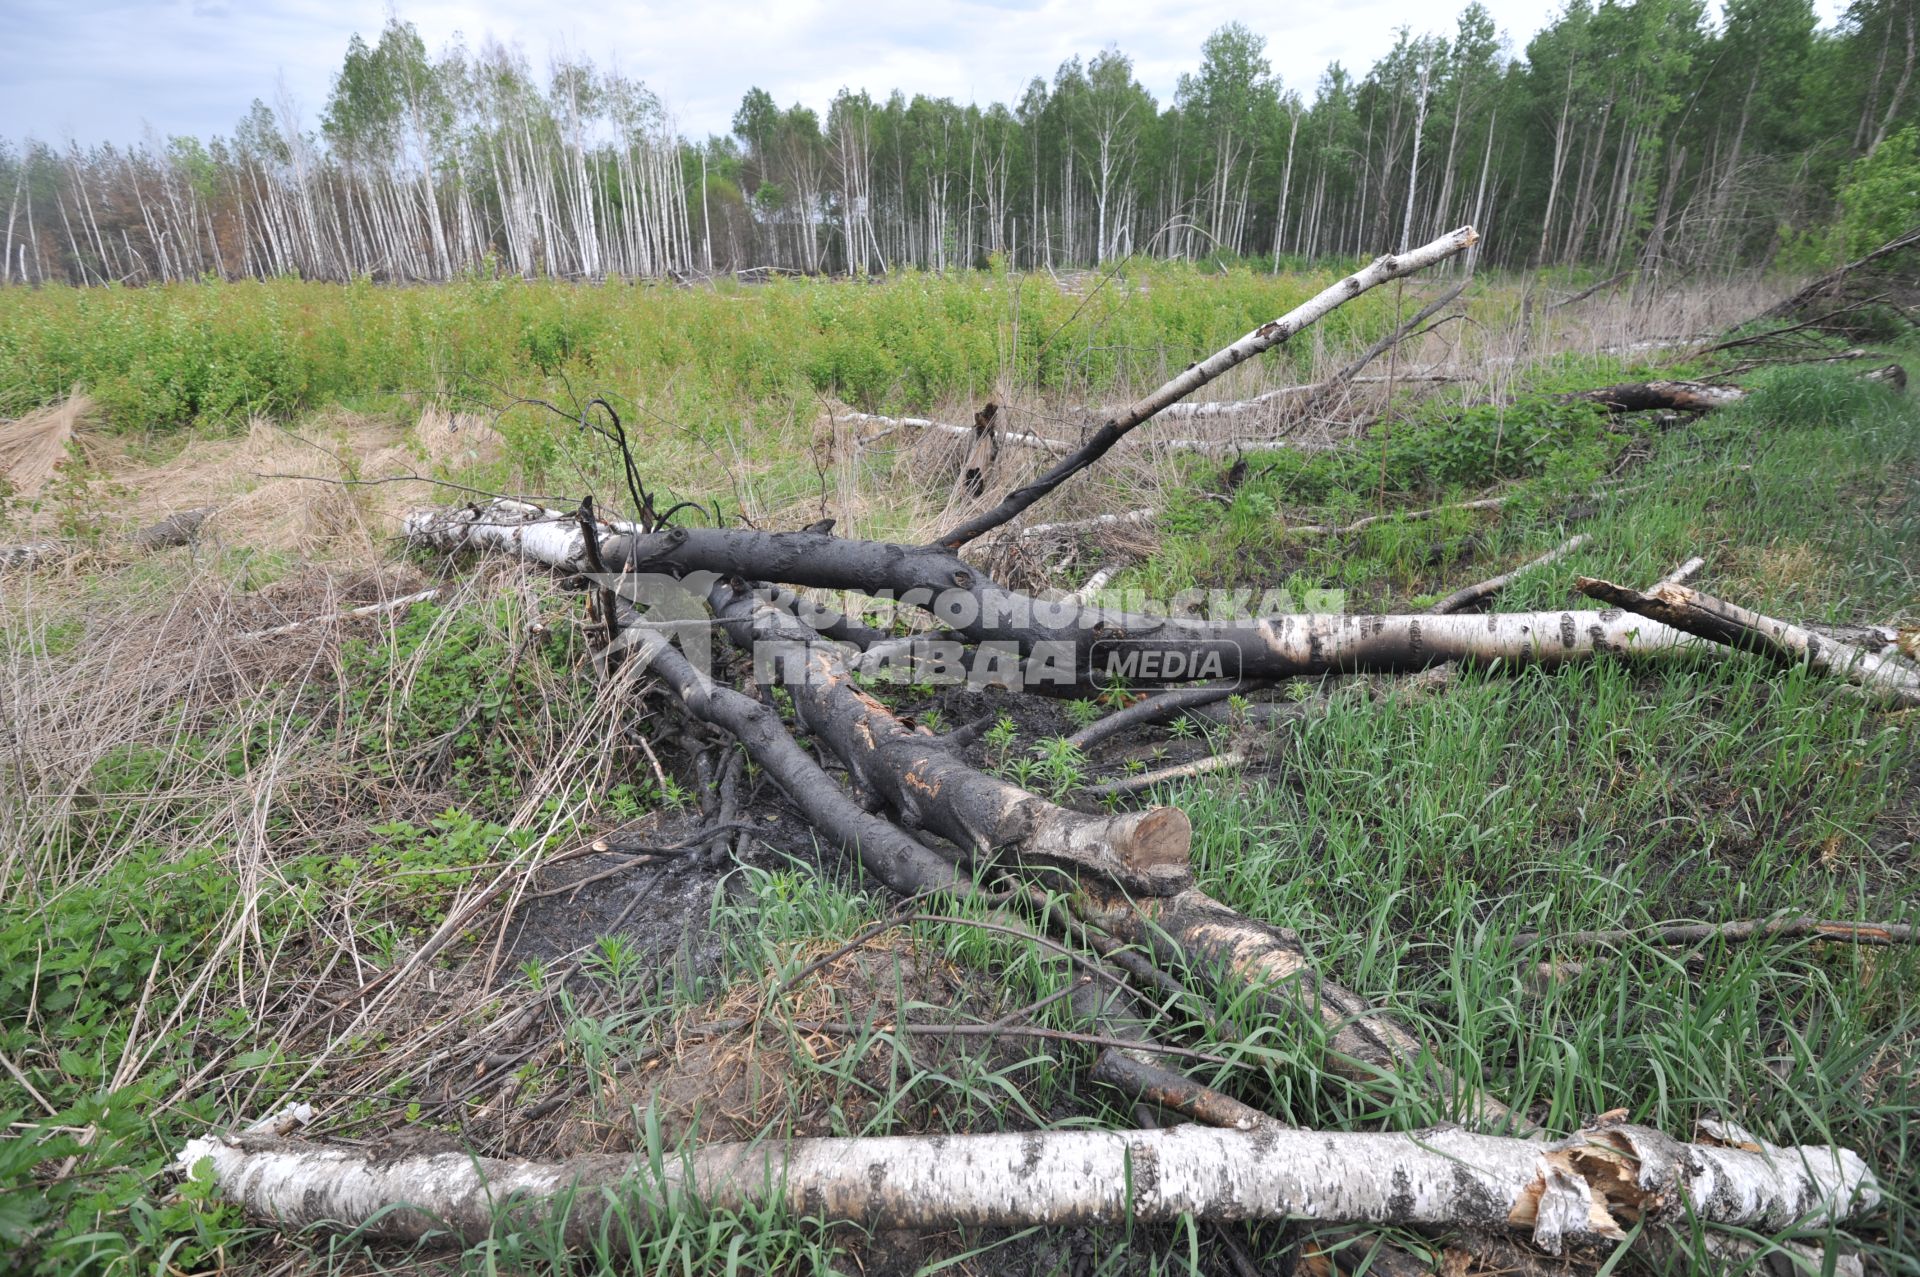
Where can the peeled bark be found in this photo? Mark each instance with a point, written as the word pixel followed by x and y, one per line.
pixel 1686 609
pixel 1589 1188
pixel 1263 338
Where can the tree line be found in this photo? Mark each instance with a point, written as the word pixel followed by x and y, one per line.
pixel 1636 134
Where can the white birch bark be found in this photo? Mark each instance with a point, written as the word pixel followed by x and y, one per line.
pixel 1588 1188
pixel 1684 608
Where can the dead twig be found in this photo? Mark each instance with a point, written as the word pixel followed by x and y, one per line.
pixel 1465 597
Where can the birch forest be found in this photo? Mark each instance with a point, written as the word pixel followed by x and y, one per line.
pixel 1652 134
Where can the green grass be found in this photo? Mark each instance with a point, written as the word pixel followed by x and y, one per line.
pixel 203 851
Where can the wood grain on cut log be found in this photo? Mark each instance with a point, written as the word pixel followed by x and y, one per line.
pixel 1263 338
pixel 1589 1188
pixel 1686 609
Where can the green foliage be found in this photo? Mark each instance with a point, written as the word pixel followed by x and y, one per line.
pixel 166 357
pixel 71 978
pixel 1881 198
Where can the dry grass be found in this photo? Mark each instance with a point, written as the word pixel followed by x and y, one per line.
pixel 33 447
pixel 457 441
pixel 275 489
pixel 235 747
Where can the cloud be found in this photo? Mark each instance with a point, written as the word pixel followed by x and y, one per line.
pixel 101 70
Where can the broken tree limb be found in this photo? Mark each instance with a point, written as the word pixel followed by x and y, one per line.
pixel 1017 437
pixel 1157 708
pixel 1409 516
pixel 1349 375
pixel 1228 761
pixel 1233 407
pixel 938 791
pixel 887 852
pixel 1140 1075
pixel 1826 285
pixel 1590 290
pixel 1685 933
pixel 1230 953
pixel 350 614
pixel 1091 524
pixel 1686 609
pixel 1143 851
pixel 1685 572
pixel 1398 335
pixel 1465 597
pixel 1591 1187
pixel 1263 338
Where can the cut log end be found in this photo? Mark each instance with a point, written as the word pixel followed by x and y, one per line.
pixel 1158 838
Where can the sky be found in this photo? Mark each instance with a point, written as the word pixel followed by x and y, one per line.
pixel 109 70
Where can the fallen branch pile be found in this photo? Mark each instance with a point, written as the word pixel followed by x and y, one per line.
pixel 924 822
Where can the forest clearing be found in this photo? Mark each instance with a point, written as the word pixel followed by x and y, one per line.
pixel 1461 922
pixel 934 669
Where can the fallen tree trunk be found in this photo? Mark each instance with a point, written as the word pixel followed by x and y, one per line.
pixel 1671 396
pixel 1589 1188
pixel 974 810
pixel 1144 853
pixel 1049 643
pixel 176 529
pixel 1020 438
pixel 1696 396
pixel 1234 407
pixel 1827 285
pixel 1685 609
pixel 1229 953
pixel 1263 338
